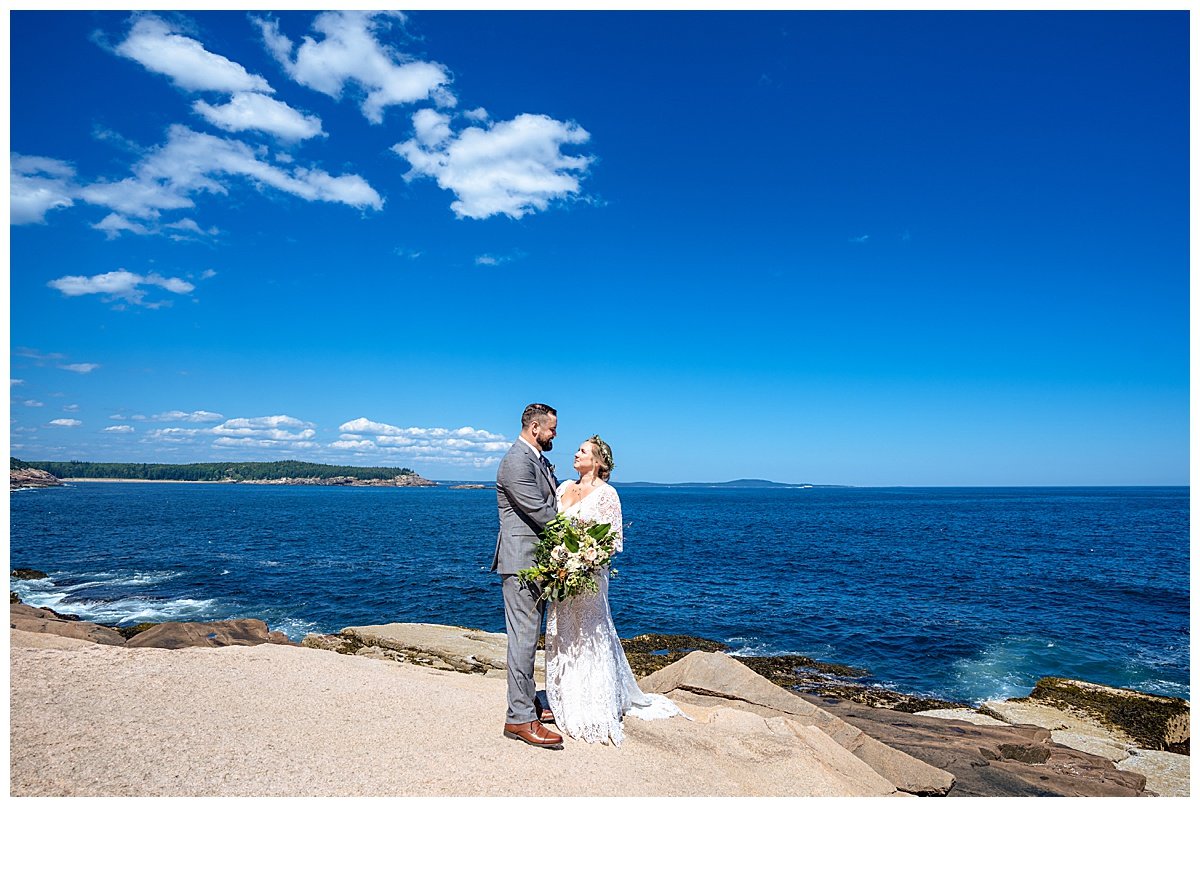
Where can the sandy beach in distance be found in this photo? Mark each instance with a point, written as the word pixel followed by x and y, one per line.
pixel 134 480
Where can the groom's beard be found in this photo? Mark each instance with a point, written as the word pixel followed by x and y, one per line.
pixel 547 445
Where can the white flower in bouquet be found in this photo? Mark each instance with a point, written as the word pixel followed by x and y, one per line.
pixel 569 557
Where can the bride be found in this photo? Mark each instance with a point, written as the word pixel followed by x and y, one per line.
pixel 589 684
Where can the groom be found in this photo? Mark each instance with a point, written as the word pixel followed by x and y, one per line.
pixel 525 488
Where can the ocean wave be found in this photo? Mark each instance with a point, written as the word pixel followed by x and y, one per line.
pixel 1008 668
pixel 296 628
pixel 124 611
pixel 75 581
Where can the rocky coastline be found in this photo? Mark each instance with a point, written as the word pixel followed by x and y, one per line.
pixel 1065 738
pixel 401 480
pixel 28 478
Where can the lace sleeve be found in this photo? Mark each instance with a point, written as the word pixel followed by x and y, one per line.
pixel 608 509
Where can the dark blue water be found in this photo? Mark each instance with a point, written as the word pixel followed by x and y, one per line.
pixel 966 594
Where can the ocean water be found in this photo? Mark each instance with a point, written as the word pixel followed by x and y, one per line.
pixel 964 594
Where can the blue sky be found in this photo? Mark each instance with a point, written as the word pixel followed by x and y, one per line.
pixel 871 248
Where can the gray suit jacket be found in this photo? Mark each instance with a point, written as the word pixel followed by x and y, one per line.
pixel 525 498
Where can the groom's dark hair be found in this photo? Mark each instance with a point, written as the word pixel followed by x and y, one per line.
pixel 536 413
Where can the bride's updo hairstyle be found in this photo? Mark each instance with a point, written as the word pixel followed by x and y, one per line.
pixel 603 453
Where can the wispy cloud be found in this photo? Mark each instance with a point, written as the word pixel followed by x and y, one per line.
pixel 121 286
pixel 497 259
pixel 52 359
pixel 184 229
pixel 65 423
pixel 350 53
pixel 13 382
pixel 513 168
pixel 70 408
pixel 33 403
pixel 191 162
pixel 859 239
pixel 175 435
pixel 466 446
pixel 183 416
pixel 37 185
pixel 120 429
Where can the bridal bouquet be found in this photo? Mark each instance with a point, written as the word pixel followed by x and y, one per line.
pixel 569 556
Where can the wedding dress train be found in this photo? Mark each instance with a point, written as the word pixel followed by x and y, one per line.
pixel 589 683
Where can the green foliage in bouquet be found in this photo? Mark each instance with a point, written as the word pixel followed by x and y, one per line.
pixel 569 556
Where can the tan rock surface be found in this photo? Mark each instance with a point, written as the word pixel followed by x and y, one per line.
pixel 1167 774
pixel 714 678
pixel 962 716
pixel 30 618
pixel 1069 728
pixel 445 647
pixel 274 720
pixel 211 634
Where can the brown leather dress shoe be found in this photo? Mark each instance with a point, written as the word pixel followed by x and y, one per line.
pixel 534 733
pixel 545 714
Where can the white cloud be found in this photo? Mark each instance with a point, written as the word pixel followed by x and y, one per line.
pixel 121 286
pixel 265 444
pixel 114 224
pixel 352 445
pixel 70 408
pixel 464 446
pixel 496 259
pixel 351 52
pixel 264 428
pixel 191 162
pixel 514 167
pixel 32 403
pixel 120 429
pixel 159 47
pixel 175 435
pixel 182 416
pixel 153 44
pixel 38 184
pixel 253 111
pixel 66 423
pixel 13 382
pixel 189 225
pixel 79 368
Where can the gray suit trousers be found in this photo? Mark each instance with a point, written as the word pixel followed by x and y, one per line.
pixel 523 620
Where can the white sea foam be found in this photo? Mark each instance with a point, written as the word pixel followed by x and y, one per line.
pixel 130 610
pixel 86 598
pixel 1009 668
pixel 296 628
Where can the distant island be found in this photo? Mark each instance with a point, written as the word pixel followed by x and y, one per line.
pixel 288 472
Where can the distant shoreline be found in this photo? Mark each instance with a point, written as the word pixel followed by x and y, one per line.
pixel 137 480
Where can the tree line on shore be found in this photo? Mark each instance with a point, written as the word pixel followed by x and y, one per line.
pixel 208 470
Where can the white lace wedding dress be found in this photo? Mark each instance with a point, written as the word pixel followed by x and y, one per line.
pixel 588 680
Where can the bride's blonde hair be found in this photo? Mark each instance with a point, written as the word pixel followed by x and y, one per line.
pixel 603 452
